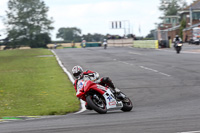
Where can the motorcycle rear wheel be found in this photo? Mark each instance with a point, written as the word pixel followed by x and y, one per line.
pixel 98 106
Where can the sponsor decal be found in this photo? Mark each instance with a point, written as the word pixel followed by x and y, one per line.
pixel 109 98
pixel 112 103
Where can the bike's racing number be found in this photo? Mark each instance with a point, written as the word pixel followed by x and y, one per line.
pixel 79 86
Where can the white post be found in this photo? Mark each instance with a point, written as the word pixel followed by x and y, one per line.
pixel 190 16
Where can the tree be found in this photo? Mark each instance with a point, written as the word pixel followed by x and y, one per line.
pixel 183 26
pixel 150 36
pixel 26 21
pixel 41 40
pixel 69 34
pixel 98 37
pixel 171 7
pixel 94 37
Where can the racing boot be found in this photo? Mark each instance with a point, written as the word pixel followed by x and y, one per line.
pixel 107 81
pixel 119 94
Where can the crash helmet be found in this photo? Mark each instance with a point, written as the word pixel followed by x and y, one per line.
pixel 77 72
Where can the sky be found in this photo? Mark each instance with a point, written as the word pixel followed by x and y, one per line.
pixel 95 16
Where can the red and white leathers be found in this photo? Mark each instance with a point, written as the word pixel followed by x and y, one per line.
pixel 94 76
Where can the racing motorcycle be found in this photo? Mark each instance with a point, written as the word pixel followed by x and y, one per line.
pixel 178 47
pixel 101 98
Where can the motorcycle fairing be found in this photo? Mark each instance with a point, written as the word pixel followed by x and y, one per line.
pixel 111 102
pixel 83 86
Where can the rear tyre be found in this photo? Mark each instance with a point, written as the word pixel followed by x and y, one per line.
pixel 127 105
pixel 97 104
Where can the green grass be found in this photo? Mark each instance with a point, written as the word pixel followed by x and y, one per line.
pixel 31 85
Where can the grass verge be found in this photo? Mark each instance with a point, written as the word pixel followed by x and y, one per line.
pixel 32 83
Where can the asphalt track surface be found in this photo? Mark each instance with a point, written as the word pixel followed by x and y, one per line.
pixel 164 87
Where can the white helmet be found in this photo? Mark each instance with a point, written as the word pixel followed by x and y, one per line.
pixel 77 72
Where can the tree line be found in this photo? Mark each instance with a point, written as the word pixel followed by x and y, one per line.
pixel 70 34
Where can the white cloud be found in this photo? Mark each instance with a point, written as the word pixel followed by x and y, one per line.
pixel 3 2
pixel 94 18
pixel 189 1
pixel 3 7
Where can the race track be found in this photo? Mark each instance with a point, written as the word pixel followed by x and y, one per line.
pixel 164 87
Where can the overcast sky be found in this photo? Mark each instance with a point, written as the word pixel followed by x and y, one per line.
pixel 95 16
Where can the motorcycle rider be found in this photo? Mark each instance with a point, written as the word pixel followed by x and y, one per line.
pixel 79 74
pixel 105 43
pixel 177 39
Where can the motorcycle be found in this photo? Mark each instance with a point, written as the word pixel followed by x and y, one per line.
pixel 178 47
pixel 105 44
pixel 101 98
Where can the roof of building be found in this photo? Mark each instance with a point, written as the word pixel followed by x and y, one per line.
pixel 193 26
pixel 170 16
pixel 195 5
pixel 174 28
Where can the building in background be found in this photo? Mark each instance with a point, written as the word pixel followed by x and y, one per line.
pixel 191 15
pixel 171 25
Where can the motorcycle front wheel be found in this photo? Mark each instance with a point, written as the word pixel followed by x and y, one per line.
pixel 178 49
pixel 97 103
pixel 127 105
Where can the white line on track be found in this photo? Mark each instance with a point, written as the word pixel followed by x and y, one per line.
pixel 146 68
pixel 190 132
pixel 72 80
pixel 135 53
pixel 156 71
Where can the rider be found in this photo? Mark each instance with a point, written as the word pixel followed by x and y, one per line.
pixel 177 39
pixel 83 43
pixel 105 43
pixel 78 73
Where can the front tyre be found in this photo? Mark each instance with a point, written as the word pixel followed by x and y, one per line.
pixel 178 49
pixel 127 105
pixel 97 103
